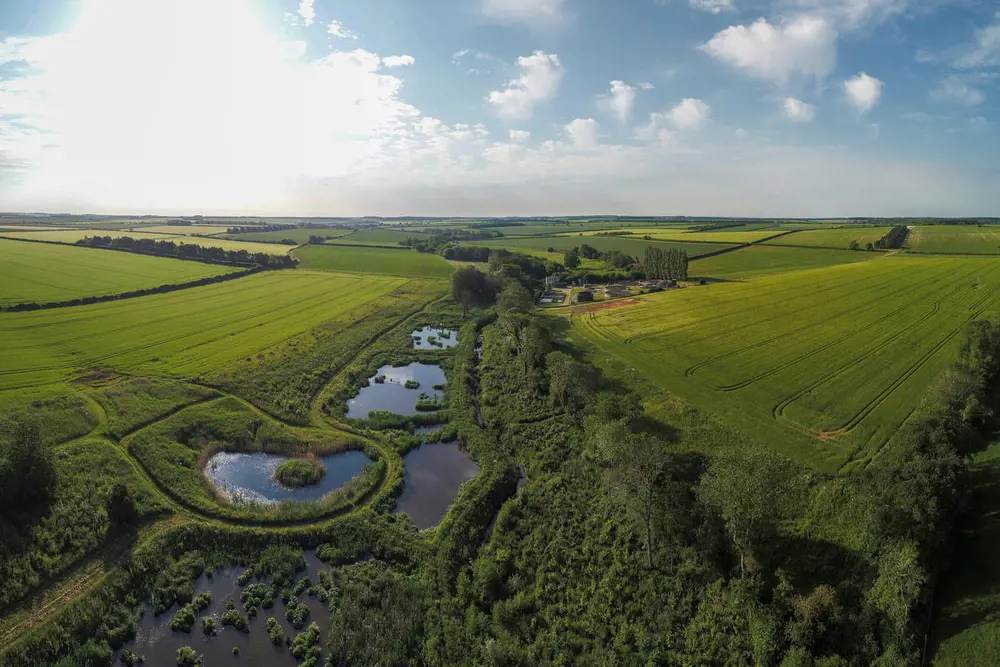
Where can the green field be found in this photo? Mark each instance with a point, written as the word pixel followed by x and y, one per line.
pixel 634 247
pixel 758 260
pixel 297 234
pixel 73 235
pixel 831 238
pixel 39 273
pixel 956 239
pixel 364 260
pixel 681 236
pixel 822 364
pixel 185 230
pixel 180 334
pixel 376 237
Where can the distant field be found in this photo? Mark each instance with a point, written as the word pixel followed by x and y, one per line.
pixel 181 334
pixel 36 272
pixel 721 236
pixel 832 238
pixel 823 365
pixel 360 259
pixel 958 239
pixel 187 230
pixel 757 260
pixel 631 246
pixel 72 236
pixel 376 237
pixel 298 235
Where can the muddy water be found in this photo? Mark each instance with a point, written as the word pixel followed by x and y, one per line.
pixel 445 338
pixel 158 643
pixel 434 473
pixel 250 476
pixel 392 395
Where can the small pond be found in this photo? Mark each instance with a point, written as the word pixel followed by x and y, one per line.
pixel 443 338
pixel 392 395
pixel 250 475
pixel 434 472
pixel 158 643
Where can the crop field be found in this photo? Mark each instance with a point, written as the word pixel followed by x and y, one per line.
pixel 376 237
pixel 364 260
pixel 758 260
pixel 74 235
pixel 957 239
pixel 832 238
pixel 683 236
pixel 298 235
pixel 38 273
pixel 823 364
pixel 631 246
pixel 180 334
pixel 186 230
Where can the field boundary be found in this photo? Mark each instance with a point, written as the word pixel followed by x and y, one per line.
pixel 134 252
pixel 160 289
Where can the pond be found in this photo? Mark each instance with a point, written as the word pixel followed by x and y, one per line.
pixel 434 473
pixel 443 338
pixel 392 395
pixel 250 475
pixel 158 643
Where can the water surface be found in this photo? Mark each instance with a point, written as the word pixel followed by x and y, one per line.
pixel 434 472
pixel 158 643
pixel 445 338
pixel 392 395
pixel 250 475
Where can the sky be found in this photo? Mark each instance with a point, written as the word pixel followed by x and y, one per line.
pixel 792 108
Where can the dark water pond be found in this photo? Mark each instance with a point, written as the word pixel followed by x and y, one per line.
pixel 250 476
pixel 392 395
pixel 158 643
pixel 445 338
pixel 434 472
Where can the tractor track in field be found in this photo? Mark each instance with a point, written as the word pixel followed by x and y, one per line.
pixel 695 368
pixel 778 411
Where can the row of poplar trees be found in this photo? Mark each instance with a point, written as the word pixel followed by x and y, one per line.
pixel 666 264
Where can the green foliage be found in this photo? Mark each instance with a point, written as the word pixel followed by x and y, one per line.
pixel 305 646
pixel 295 473
pixel 187 657
pixel 131 403
pixel 373 260
pixel 296 613
pixel 233 617
pixel 275 631
pixel 470 288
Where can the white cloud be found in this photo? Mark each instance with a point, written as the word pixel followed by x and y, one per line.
pixel 804 46
pixel 713 6
pixel 583 133
pixel 954 90
pixel 540 76
pixel 985 49
pixel 798 110
pixel 307 10
pixel 646 85
pixel 337 29
pixel 398 61
pixel 519 136
pixel 851 14
pixel 529 12
pixel 741 133
pixel 690 114
pixel 863 91
pixel 619 100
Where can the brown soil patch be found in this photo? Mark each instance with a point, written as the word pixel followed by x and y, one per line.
pixel 605 305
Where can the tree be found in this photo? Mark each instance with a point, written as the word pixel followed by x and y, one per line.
pixel 571 258
pixel 854 245
pixel 635 481
pixel 121 505
pixel 514 298
pixel 589 252
pixel 27 471
pixel 749 487
pixel 568 379
pixel 897 587
pixel 470 288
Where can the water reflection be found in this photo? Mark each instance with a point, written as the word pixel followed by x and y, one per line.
pixel 434 473
pixel 158 643
pixel 442 338
pixel 249 476
pixel 392 395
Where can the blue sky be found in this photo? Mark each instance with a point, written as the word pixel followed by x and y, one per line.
pixel 501 107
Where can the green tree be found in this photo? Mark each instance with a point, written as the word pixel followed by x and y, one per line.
pixel 853 245
pixel 470 288
pixel 27 470
pixel 514 298
pixel 636 478
pixel 897 587
pixel 571 258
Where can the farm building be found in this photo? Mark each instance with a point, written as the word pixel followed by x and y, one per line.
pixel 584 296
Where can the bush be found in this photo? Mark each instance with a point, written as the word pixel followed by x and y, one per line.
pixel 297 473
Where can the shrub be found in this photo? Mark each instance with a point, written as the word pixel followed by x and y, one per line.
pixel 297 473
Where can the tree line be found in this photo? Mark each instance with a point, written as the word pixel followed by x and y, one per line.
pixel 258 228
pixel 190 251
pixel 666 264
